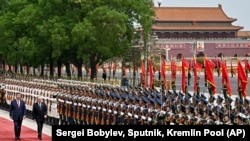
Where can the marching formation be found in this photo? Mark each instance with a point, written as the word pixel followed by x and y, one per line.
pixel 84 103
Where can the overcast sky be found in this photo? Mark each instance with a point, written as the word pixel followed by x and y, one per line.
pixel 238 9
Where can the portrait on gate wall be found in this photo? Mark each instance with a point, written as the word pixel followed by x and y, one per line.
pixel 200 46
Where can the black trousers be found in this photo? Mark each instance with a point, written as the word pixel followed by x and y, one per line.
pixel 39 127
pixel 17 126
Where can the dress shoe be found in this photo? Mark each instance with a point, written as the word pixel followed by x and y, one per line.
pixel 40 138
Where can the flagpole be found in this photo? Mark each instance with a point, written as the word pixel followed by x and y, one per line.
pixel 170 82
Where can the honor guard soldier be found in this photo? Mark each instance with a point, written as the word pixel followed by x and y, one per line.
pixel 219 104
pixel 78 110
pixel 240 91
pixel 211 101
pixel 104 114
pixel 198 86
pixel 2 97
pixel 209 88
pixel 74 109
pixel 98 113
pixel 54 112
pixel 150 111
pixel 143 113
pixel 186 89
pixel 246 68
pixel 159 113
pixel 130 110
pixel 84 110
pixel 80 104
pixel 88 110
pixel 189 77
pixel 224 90
pixel 173 86
pixel 48 97
pixel 64 109
pixel 218 68
pixel 70 110
pixel 121 112
pixel 246 104
pixel 228 102
pixel 240 119
pixel 137 108
pixel 232 70
pixel 114 114
pixel 93 110
pixel 109 111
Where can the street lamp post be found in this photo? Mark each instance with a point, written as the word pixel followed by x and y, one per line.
pixel 159 3
pixel 194 47
pixel 166 50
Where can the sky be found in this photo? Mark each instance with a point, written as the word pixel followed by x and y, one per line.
pixel 238 9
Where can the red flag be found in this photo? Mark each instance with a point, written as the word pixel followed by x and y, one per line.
pixel 163 69
pixel 150 74
pixel 247 66
pixel 173 70
pixel 225 77
pixel 143 73
pixel 195 74
pixel 163 72
pixel 197 67
pixel 210 76
pixel 184 65
pixel 242 79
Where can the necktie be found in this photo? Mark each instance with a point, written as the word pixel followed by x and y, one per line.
pixel 18 104
pixel 40 105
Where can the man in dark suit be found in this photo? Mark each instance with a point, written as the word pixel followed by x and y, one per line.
pixel 17 113
pixel 104 75
pixel 39 113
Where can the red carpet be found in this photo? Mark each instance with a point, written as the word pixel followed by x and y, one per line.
pixel 27 134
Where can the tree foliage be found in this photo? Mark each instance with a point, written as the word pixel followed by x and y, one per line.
pixel 79 32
